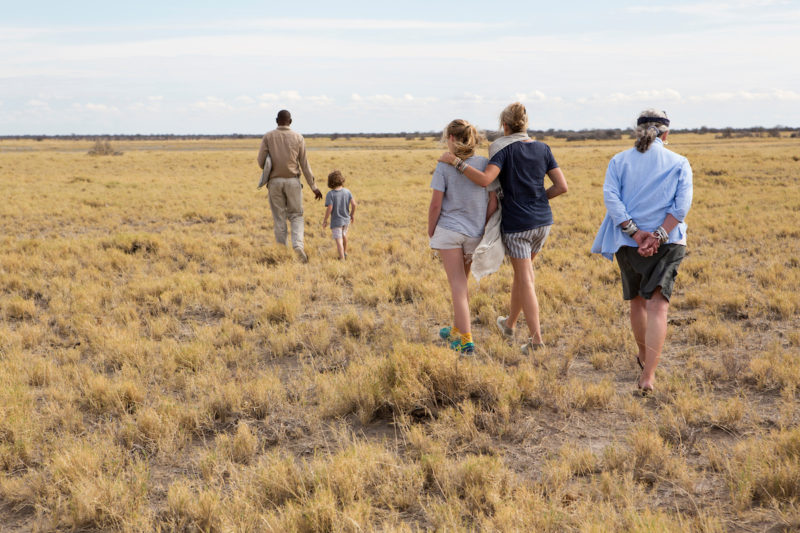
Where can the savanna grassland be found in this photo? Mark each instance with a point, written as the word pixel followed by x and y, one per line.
pixel 164 366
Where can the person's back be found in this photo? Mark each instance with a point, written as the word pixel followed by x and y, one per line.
pixel 523 167
pixel 284 146
pixel 339 199
pixel 643 186
pixel 287 150
pixel 464 204
pixel 648 181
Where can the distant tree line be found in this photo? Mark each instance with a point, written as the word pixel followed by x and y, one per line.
pixel 569 135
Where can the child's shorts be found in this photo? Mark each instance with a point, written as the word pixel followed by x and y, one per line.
pixel 340 232
pixel 445 239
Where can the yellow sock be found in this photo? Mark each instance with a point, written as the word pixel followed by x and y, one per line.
pixel 466 337
pixel 454 332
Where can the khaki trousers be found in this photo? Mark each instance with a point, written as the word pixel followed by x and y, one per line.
pixel 286 201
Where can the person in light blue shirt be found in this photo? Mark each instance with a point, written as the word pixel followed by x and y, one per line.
pixel 647 193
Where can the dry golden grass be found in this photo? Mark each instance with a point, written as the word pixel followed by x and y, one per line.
pixel 164 366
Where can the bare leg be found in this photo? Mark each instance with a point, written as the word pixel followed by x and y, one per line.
pixel 657 307
pixel 453 261
pixel 344 244
pixel 340 247
pixel 523 297
pixel 639 325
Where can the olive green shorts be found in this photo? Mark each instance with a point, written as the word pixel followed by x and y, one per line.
pixel 643 275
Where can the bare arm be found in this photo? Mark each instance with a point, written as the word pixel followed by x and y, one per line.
pixel 473 174
pixel 559 186
pixel 434 211
pixel 352 209
pixel 328 211
pixel 303 160
pixel 492 207
pixel 669 223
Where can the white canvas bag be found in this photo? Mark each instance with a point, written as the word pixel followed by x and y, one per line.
pixel 265 175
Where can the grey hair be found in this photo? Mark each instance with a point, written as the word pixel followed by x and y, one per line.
pixel 647 132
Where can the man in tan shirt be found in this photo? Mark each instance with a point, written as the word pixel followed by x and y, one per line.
pixel 287 149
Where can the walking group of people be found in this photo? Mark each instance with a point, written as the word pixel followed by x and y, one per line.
pixel 647 193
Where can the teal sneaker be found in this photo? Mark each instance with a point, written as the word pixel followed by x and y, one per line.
pixel 446 333
pixel 464 349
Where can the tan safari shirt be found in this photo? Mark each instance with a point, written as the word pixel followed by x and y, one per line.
pixel 288 151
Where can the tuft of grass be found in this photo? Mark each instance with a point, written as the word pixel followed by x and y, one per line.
pixel 775 367
pixel 282 310
pixel 241 447
pixel 653 460
pixel 18 308
pixel 132 243
pixel 762 473
pixel 710 331
pixel 188 509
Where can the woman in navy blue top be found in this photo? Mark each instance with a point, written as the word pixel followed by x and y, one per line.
pixel 521 166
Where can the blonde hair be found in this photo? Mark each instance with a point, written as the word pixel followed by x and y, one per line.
pixel 465 137
pixel 515 116
pixel 335 179
pixel 647 132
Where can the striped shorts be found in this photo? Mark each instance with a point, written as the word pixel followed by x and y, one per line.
pixel 522 244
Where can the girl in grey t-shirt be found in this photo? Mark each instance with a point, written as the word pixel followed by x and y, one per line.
pixel 456 218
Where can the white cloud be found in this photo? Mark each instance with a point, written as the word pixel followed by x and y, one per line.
pixel 151 104
pixel 533 96
pixel 708 8
pixel 786 95
pixel 320 100
pixel 274 25
pixel 38 104
pixel 656 95
pixel 355 97
pixel 101 108
pixel 291 96
pixel 212 103
pixel 406 99
pixel 733 96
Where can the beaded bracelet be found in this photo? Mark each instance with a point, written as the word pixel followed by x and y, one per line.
pixel 462 166
pixel 662 235
pixel 456 161
pixel 630 229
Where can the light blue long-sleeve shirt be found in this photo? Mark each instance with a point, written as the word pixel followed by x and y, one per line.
pixel 645 187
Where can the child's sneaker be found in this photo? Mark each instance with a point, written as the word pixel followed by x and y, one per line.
pixel 467 348
pixel 505 330
pixel 446 333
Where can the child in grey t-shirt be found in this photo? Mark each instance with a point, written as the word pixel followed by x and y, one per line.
pixel 341 208
pixel 457 215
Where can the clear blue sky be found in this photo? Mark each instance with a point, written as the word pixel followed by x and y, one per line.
pixel 228 67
